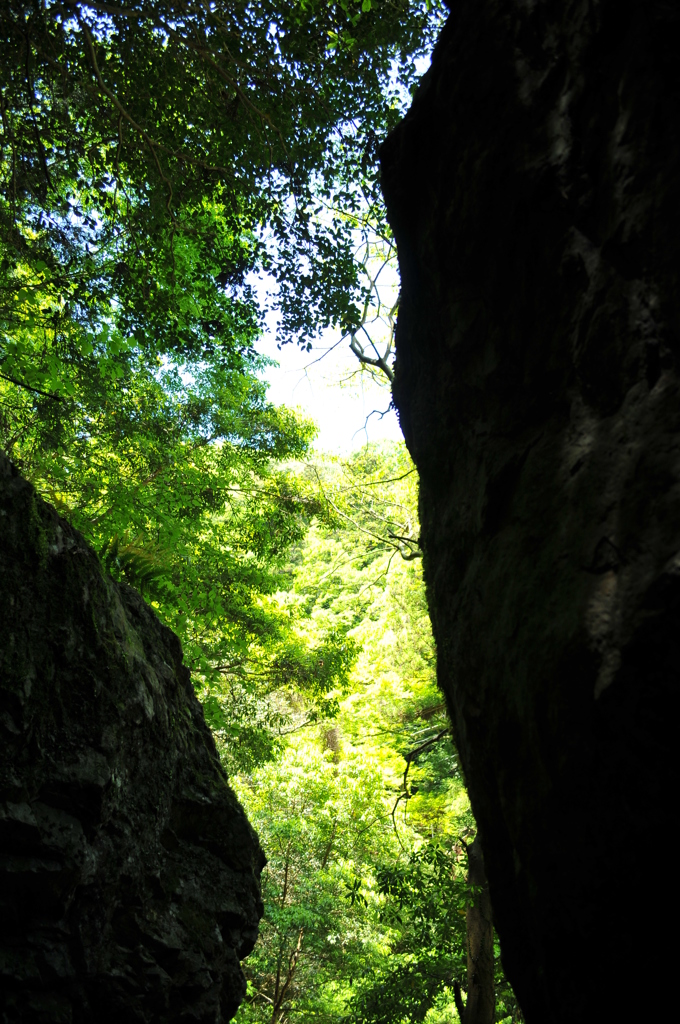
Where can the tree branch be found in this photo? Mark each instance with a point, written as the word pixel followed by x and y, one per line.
pixel 29 387
pixel 152 143
pixel 458 999
pixel 413 754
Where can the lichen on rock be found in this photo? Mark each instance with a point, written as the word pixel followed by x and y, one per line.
pixel 129 873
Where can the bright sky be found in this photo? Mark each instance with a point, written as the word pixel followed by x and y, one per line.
pixel 326 385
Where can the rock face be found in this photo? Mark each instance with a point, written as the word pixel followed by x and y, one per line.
pixel 129 873
pixel 534 189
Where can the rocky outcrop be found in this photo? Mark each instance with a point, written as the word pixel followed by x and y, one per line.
pixel 534 193
pixel 129 874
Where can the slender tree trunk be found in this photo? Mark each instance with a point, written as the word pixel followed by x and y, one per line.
pixel 481 999
pixel 280 996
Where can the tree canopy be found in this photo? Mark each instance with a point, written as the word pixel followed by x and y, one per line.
pixel 155 153
pixel 154 157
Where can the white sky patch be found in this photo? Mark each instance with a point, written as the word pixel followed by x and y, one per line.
pixel 328 387
pixel 349 408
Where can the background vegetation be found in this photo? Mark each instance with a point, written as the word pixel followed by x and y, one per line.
pixel 363 812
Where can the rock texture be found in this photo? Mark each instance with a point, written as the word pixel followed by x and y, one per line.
pixel 534 189
pixel 129 875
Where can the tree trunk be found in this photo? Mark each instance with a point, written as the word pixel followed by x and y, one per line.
pixel 280 994
pixel 480 1005
pixel 481 998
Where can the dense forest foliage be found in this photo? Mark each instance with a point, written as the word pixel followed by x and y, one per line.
pixel 362 811
pixel 154 158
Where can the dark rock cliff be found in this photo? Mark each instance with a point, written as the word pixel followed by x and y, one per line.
pixel 534 189
pixel 129 875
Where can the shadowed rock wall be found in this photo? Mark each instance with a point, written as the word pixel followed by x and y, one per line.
pixel 129 875
pixel 534 190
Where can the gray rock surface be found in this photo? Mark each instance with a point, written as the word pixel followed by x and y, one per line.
pixel 129 875
pixel 534 190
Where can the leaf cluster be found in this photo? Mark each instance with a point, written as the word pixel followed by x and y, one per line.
pixel 151 154
pixel 426 897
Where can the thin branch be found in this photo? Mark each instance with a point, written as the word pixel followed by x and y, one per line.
pixel 458 999
pixel 402 796
pixel 373 412
pixel 369 533
pixel 202 51
pixel 410 758
pixel 118 105
pixel 379 483
pixel 296 728
pixel 119 12
pixel 397 536
pixel 152 143
pixel 413 754
pixel 292 964
pixel 29 387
